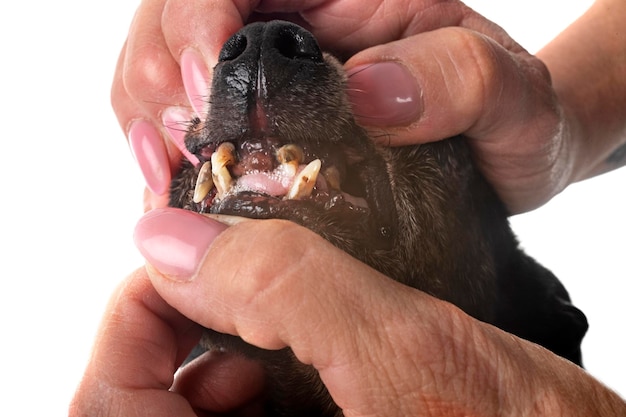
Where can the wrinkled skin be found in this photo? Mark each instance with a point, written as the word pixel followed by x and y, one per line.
pixel 431 220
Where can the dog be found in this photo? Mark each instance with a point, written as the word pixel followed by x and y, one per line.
pixel 280 142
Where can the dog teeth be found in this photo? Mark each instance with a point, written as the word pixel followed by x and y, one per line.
pixel 290 157
pixel 290 152
pixel 224 155
pixel 332 177
pixel 204 183
pixel 304 182
pixel 221 159
pixel 216 174
pixel 222 180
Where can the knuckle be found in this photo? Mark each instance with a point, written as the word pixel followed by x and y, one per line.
pixel 261 284
pixel 265 263
pixel 481 62
pixel 145 72
pixel 150 74
pixel 495 81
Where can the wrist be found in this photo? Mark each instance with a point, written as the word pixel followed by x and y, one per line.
pixel 587 63
pixel 533 381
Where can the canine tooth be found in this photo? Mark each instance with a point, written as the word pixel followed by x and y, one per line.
pixel 223 156
pixel 331 174
pixel 290 152
pixel 305 181
pixel 290 156
pixel 222 180
pixel 204 183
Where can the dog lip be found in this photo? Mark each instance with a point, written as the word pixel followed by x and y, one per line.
pixel 264 183
pixel 354 189
pixel 274 167
pixel 262 206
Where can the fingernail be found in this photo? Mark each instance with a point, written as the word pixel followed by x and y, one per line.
pixel 384 94
pixel 176 121
pixel 174 241
pixel 195 79
pixel 151 155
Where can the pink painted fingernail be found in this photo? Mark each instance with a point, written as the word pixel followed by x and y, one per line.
pixel 176 121
pixel 196 80
pixel 384 94
pixel 175 241
pixel 151 155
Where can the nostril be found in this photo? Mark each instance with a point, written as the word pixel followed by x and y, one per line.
pixel 276 38
pixel 233 48
pixel 295 43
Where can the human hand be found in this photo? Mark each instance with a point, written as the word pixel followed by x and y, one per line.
pixel 362 331
pixel 133 369
pixel 420 71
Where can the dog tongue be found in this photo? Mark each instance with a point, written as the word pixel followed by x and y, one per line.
pixel 270 183
pixel 277 183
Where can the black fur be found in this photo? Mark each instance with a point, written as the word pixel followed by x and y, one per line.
pixel 433 221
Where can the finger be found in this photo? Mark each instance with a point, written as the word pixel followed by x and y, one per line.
pixel 150 74
pixel 145 82
pixel 156 167
pixel 275 284
pixel 203 24
pixel 454 73
pixel 140 344
pixel 333 311
pixel 220 382
pixel 141 329
pixel 350 26
pixel 454 81
pixel 153 201
pixel 195 32
pixel 158 73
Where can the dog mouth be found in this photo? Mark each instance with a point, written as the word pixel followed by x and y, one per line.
pixel 264 178
pixel 280 141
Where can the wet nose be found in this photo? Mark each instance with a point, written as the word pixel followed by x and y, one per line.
pixel 275 40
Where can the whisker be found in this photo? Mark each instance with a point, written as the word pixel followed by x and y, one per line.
pixel 159 103
pixel 360 70
pixel 182 126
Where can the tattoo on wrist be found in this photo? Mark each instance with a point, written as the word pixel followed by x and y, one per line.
pixel 618 157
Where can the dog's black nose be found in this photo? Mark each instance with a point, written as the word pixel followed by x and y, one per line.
pixel 274 40
pixel 261 69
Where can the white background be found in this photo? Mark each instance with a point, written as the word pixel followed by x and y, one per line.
pixel 71 195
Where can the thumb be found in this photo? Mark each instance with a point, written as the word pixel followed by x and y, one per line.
pixel 452 81
pixel 277 284
pixel 442 83
pixel 269 281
